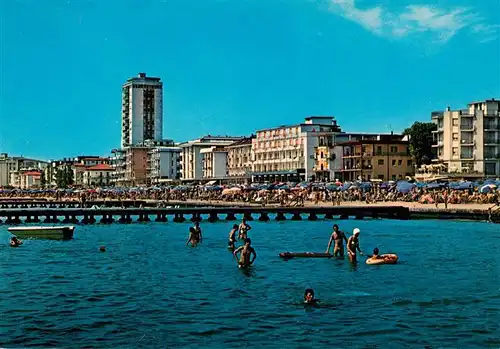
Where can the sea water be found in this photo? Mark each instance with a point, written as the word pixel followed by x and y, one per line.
pixel 150 290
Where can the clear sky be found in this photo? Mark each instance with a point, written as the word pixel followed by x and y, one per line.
pixel 234 66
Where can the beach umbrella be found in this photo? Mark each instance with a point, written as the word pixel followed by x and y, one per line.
pixel 488 188
pixel 404 187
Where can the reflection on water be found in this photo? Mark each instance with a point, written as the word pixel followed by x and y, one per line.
pixel 149 290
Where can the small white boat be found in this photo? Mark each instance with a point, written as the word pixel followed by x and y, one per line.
pixel 55 233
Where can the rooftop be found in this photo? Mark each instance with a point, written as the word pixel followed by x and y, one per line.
pixel 141 77
pixel 32 173
pixel 100 167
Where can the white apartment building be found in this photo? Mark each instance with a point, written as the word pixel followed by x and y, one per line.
pixel 214 161
pixel 468 140
pixel 142 110
pixel 98 175
pixel 287 153
pixel 164 164
pixel 192 158
pixel 118 163
pixel 239 160
pixel 10 165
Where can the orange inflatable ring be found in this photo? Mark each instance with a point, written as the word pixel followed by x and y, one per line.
pixel 385 259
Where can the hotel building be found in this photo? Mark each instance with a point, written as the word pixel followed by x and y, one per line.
pixel 164 164
pixel 142 110
pixel 239 161
pixel 287 153
pixel 383 157
pixel 214 161
pixel 468 140
pixel 192 158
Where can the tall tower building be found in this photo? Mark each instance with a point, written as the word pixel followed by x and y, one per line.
pixel 142 110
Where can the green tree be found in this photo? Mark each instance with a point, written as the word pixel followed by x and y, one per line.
pixel 43 182
pixel 420 134
pixel 60 177
pixel 68 175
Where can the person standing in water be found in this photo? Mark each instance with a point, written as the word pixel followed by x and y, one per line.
pixel 246 251
pixel 232 237
pixel 195 236
pixel 353 245
pixel 339 237
pixel 243 229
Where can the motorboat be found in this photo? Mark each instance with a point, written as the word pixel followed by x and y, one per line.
pixel 53 233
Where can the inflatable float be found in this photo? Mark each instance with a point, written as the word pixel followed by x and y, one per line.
pixel 383 259
pixel 289 255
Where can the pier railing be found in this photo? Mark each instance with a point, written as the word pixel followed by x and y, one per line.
pixel 212 214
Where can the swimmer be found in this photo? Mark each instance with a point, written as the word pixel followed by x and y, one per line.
pixel 375 255
pixel 353 245
pixel 15 242
pixel 339 237
pixel 309 297
pixel 232 237
pixel 195 236
pixel 244 228
pixel 245 250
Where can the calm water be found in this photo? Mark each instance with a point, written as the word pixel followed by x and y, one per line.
pixel 150 290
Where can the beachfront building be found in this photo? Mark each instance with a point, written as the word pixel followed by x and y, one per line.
pixel 192 157
pixel 328 155
pixel 214 161
pixel 287 153
pixel 81 163
pixel 136 160
pixel 383 157
pixel 468 140
pixel 142 110
pixel 118 163
pixel 239 161
pixel 12 166
pixel 163 164
pixel 98 175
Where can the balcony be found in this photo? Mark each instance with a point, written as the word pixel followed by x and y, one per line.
pixel 468 142
pixel 393 154
pixel 352 155
pixel 492 156
pixel 438 144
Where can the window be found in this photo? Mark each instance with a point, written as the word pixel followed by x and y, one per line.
pixel 454 151
pixel 455 136
pixel 393 162
pixel 381 161
pixel 379 150
pixel 455 121
pixel 381 177
pixel 400 162
pixel 409 162
pixel 394 149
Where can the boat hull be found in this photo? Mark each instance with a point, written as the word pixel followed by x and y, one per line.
pixel 52 233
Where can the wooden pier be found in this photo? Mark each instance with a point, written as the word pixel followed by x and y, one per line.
pixel 211 214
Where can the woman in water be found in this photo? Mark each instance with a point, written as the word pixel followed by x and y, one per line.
pixel 309 297
pixel 194 236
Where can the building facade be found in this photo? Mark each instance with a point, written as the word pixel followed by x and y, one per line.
pixel 118 163
pixel 136 161
pixel 12 166
pixel 142 110
pixel 214 160
pixel 164 164
pixel 239 161
pixel 385 158
pixel 192 158
pixel 98 175
pixel 468 140
pixel 287 153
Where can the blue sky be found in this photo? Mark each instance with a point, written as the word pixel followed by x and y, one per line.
pixel 234 66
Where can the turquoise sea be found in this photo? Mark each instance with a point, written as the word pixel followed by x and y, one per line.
pixel 148 290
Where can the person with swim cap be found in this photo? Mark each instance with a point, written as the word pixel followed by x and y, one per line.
pixel 246 251
pixel 353 245
pixel 309 297
pixel 243 229
pixel 339 237
pixel 232 237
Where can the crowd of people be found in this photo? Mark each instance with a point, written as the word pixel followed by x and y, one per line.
pixel 284 195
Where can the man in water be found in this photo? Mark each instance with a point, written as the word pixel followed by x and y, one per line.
pixel 195 236
pixel 353 245
pixel 245 250
pixel 339 237
pixel 309 297
pixel 232 237
pixel 243 229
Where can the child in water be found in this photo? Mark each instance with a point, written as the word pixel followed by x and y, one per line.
pixel 309 297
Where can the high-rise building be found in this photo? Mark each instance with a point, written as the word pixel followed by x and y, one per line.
pixel 468 140
pixel 142 110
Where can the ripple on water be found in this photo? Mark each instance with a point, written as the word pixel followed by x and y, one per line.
pixel 149 290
